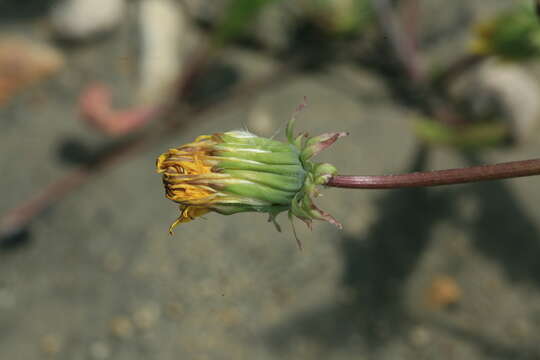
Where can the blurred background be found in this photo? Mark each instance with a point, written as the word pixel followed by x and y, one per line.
pixel 92 91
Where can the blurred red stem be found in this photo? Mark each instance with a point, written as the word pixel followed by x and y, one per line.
pixel 16 219
pixel 409 19
pixel 403 43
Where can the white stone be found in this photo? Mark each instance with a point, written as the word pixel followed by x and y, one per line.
pixel 507 91
pixel 81 19
pixel 519 93
pixel 163 27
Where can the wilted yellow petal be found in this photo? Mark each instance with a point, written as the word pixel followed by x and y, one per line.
pixel 189 213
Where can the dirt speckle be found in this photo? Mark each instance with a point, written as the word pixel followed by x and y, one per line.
pixel 51 344
pixel 122 327
pixel 146 316
pixel 100 350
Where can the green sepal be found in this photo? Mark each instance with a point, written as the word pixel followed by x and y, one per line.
pixel 230 209
pixel 276 181
pixel 299 140
pixel 271 147
pixel 302 205
pixel 274 158
pixel 246 140
pixel 259 192
pixel 224 164
pixel 289 131
pixel 298 207
pixel 315 145
pixel 322 172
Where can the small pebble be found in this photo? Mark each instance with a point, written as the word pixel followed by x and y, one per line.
pixel 51 344
pixel 419 336
pixel 100 350
pixel 83 19
pixel 122 327
pixel 443 292
pixel 147 316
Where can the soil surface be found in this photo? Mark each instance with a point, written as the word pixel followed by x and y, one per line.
pixel 442 273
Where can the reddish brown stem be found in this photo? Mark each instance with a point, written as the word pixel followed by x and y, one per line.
pixel 440 177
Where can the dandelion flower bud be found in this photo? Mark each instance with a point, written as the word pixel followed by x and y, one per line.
pixel 237 171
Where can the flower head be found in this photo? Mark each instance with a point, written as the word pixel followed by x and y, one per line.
pixel 237 171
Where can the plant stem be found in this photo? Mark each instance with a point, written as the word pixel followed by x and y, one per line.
pixel 440 177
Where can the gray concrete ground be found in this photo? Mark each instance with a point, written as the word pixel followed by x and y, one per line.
pixel 102 279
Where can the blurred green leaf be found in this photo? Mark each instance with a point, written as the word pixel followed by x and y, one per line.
pixel 513 34
pixel 343 16
pixel 238 16
pixel 469 136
